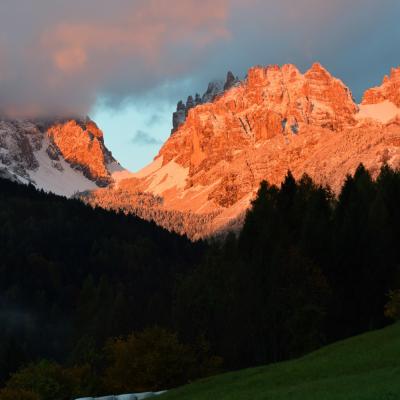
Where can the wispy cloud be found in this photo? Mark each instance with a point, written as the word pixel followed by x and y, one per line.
pixel 143 138
pixel 154 119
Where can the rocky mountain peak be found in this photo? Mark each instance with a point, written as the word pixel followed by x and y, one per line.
pixel 389 90
pixel 314 97
pixel 81 144
pixel 318 68
pixel 230 81
pixel 214 89
pixel 275 120
pixel 272 101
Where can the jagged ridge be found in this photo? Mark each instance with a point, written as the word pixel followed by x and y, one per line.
pixel 214 89
pixel 275 120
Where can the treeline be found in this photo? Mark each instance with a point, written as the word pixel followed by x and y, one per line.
pixel 308 268
pixel 150 208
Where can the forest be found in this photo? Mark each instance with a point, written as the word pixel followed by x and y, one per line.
pixel 95 302
pixel 149 207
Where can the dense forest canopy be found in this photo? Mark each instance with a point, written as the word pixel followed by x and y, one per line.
pixel 308 268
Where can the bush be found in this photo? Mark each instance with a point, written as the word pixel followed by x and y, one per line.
pixel 392 308
pixel 151 360
pixel 45 380
pixel 17 394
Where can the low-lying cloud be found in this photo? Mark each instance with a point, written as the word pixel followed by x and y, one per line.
pixel 59 56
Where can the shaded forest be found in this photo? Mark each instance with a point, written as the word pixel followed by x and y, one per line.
pixel 79 284
pixel 72 277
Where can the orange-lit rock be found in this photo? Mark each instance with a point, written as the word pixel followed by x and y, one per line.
pixel 278 119
pixel 389 90
pixel 273 101
pixel 81 144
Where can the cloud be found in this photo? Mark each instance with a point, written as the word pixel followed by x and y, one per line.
pixel 143 138
pixel 70 59
pixel 59 56
pixel 63 58
pixel 154 119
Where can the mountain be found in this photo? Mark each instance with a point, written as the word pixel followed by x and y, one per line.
pixel 277 119
pixel 222 145
pixel 63 156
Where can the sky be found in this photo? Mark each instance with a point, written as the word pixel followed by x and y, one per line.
pixel 126 63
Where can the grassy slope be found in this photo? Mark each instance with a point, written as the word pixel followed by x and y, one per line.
pixel 363 367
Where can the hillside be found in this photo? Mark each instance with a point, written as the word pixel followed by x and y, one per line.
pixel 69 272
pixel 365 367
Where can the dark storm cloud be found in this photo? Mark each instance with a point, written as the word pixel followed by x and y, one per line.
pixel 60 56
pixel 143 138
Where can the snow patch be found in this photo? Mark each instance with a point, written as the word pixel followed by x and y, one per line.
pixel 64 181
pixel 382 112
pixel 121 175
pixel 162 178
pixel 132 396
pixel 118 172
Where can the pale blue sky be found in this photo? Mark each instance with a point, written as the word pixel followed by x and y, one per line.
pixel 134 134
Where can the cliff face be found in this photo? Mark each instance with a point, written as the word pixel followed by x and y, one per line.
pixel 273 101
pixel 81 144
pixel 275 120
pixel 389 90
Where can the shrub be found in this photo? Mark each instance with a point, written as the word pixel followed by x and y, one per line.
pixel 392 307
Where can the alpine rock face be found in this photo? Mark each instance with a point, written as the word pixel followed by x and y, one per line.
pixel 61 156
pixel 277 119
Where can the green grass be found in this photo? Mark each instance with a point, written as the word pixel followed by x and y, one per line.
pixel 365 367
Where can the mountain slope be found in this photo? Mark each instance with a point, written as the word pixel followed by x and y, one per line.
pixel 365 367
pixel 61 156
pixel 275 120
